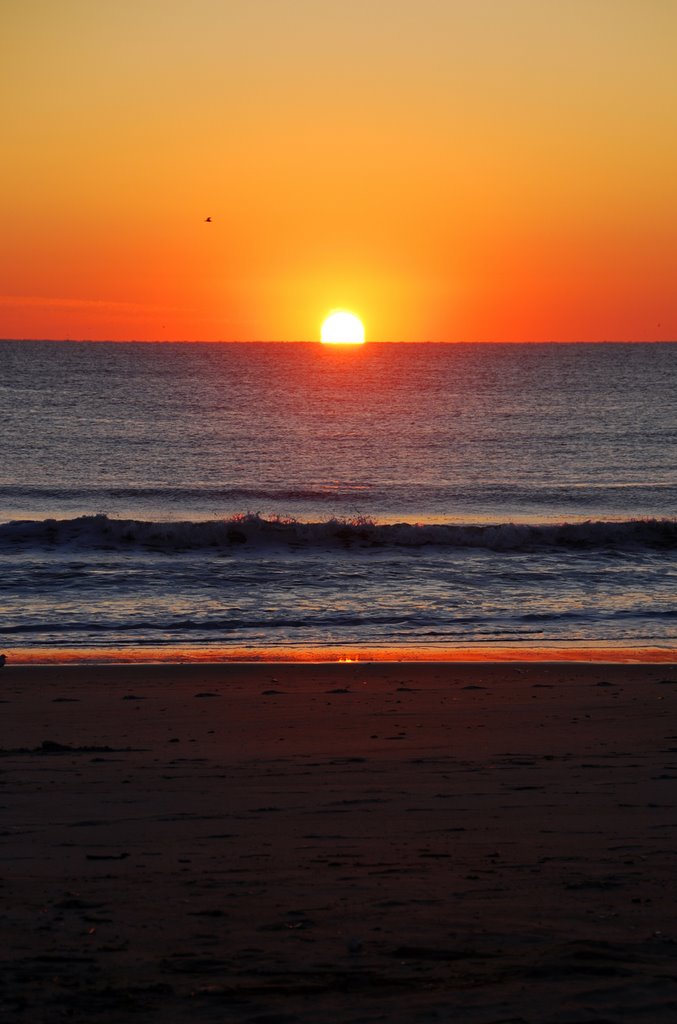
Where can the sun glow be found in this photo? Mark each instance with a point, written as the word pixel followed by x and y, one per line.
pixel 342 328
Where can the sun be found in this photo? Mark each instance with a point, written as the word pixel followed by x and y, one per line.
pixel 342 328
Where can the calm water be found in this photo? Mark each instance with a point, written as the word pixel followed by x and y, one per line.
pixel 282 495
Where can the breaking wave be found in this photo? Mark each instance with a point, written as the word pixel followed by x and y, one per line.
pixel 252 533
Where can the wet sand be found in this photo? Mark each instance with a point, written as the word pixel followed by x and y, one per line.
pixel 273 844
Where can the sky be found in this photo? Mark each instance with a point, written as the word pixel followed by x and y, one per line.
pixel 449 170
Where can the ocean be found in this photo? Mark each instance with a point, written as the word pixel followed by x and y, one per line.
pixel 272 497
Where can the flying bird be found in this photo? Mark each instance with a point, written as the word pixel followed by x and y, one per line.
pixel 208 220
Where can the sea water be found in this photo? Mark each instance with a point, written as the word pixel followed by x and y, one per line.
pixel 298 495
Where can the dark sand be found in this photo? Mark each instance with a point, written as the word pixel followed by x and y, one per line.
pixel 339 843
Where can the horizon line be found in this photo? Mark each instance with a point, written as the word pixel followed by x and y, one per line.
pixel 311 341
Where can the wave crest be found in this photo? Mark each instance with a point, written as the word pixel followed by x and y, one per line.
pixel 253 533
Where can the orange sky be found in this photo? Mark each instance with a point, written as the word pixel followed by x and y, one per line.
pixel 450 170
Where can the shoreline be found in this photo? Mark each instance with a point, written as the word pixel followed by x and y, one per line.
pixel 572 652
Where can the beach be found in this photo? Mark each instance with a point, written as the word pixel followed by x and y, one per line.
pixel 356 842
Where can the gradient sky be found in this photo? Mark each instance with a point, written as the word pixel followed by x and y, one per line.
pixel 450 170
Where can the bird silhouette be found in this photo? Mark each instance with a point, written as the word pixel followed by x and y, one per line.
pixel 208 220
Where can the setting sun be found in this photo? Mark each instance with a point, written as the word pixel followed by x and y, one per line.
pixel 342 328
